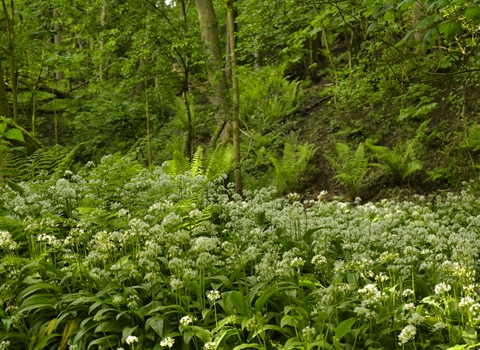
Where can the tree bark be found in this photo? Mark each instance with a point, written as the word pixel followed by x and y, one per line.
pixel 9 18
pixel 236 98
pixel 4 111
pixel 216 74
pixel 57 39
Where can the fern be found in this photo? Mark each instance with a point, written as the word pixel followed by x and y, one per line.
pixel 179 164
pixel 401 160
pixel 351 167
pixel 220 161
pixel 41 163
pixel 291 165
pixel 197 162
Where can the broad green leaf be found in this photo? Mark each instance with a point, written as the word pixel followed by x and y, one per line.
pixel 43 343
pixel 450 30
pixel 473 13
pixel 14 134
pixel 156 323
pixel 202 333
pixel 238 301
pixel 105 342
pixel 37 302
pixel 36 287
pixel 16 187
pixel 127 331
pixel 344 327
pixel 293 343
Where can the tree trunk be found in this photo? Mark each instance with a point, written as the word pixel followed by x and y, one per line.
pixel 57 39
pixel 4 111
pixel 9 19
pixel 236 98
pixel 216 74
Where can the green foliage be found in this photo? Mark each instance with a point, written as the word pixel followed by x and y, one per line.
pixel 350 167
pixel 267 96
pixel 292 164
pixel 42 163
pixel 8 133
pixel 219 162
pixel 401 161
pixel 150 260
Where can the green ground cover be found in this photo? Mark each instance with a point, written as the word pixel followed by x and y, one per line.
pixel 117 256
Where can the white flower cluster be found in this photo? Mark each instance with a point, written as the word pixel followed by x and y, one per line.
pixel 213 295
pixel 187 320
pixel 210 345
pixel 407 334
pixel 6 241
pixel 442 288
pixel 131 339
pixel 167 342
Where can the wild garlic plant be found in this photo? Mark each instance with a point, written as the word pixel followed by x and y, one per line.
pixel 117 256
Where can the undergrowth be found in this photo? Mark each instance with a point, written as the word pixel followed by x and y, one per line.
pixel 117 256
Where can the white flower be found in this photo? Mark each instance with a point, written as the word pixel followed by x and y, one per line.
pixel 407 334
pixel 442 288
pixel 408 306
pixel 466 302
pixel 308 332
pixel 186 320
pixel 213 295
pixel 439 326
pixel 168 341
pixel 297 262
pixel 416 319
pixel 131 339
pixel 210 345
pixel 408 292
pixel 7 242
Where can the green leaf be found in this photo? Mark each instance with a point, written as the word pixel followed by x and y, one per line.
pixel 344 327
pixel 105 342
pixel 450 29
pixel 36 287
pixel 156 323
pixel 37 303
pixel 246 346
pixel 238 301
pixel 473 13
pixel 202 333
pixel 293 343
pixel 127 331
pixel 15 187
pixel 14 134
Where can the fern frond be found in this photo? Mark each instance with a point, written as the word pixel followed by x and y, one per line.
pixel 351 167
pixel 220 161
pixel 291 165
pixel 47 161
pixel 197 162
pixel 178 165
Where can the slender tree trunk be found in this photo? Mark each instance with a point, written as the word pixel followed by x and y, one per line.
pixel 236 99
pixel 216 74
pixel 57 39
pixel 103 15
pixel 9 18
pixel 4 110
pixel 149 136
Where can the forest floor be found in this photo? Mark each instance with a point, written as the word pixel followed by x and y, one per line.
pixel 446 150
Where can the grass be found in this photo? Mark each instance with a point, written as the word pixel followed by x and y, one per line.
pixel 117 256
